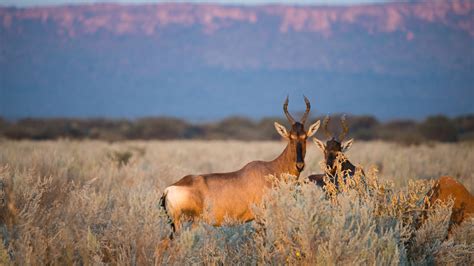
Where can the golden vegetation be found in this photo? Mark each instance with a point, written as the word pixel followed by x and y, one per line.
pixel 90 202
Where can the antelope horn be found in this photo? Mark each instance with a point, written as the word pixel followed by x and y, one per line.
pixel 285 109
pixel 325 126
pixel 345 128
pixel 306 113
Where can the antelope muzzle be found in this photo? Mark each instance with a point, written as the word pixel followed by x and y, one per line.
pixel 299 157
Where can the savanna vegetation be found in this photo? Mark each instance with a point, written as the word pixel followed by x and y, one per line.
pixel 434 128
pixel 94 202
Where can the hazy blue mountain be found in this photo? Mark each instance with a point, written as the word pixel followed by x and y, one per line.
pixel 210 61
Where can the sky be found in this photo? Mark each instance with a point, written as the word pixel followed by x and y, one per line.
pixel 26 3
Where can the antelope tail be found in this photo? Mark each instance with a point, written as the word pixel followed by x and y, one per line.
pixel 170 221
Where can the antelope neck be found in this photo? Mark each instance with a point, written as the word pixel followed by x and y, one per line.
pixel 286 161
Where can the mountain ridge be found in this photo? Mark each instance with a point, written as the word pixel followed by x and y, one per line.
pixel 390 60
pixel 212 16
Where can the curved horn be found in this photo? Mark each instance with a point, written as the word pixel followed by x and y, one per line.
pixel 306 113
pixel 325 126
pixel 345 128
pixel 285 109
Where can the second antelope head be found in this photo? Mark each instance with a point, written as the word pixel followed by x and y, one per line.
pixel 334 146
pixel 297 136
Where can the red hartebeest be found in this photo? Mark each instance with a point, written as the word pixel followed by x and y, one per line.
pixel 447 187
pixel 218 195
pixel 331 150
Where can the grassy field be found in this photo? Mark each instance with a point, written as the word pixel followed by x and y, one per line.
pixel 92 202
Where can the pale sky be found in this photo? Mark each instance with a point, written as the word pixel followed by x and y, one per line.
pixel 23 3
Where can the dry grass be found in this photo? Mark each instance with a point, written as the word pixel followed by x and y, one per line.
pixel 69 202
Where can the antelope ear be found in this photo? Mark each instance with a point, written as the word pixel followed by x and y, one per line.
pixel 281 130
pixel 313 129
pixel 347 145
pixel 320 144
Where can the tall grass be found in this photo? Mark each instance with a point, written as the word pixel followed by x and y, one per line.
pixel 92 202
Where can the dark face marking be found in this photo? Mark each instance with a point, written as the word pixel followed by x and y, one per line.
pixel 298 142
pixel 333 148
pixel 299 157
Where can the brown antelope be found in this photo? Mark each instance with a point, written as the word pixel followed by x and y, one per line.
pixel 447 187
pixel 219 195
pixel 331 150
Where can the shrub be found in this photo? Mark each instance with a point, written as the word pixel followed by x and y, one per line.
pixel 439 128
pixel 401 131
pixel 72 204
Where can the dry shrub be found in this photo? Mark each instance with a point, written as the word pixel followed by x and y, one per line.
pixel 365 222
pixel 459 249
pixel 83 210
pixel 71 204
pixel 205 244
pixel 427 240
pixel 298 224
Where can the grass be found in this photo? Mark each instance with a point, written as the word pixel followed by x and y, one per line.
pixel 92 202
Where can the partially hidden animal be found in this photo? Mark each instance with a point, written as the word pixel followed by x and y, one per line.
pixel 446 188
pixel 332 150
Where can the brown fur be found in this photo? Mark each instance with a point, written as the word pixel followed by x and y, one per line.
pixel 229 194
pixel 219 195
pixel 447 187
pixel 318 179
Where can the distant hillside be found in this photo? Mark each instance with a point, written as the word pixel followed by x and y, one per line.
pixel 206 61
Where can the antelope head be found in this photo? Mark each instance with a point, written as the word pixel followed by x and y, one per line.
pixel 297 136
pixel 334 145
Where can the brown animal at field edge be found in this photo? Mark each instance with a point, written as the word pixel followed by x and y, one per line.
pixel 447 187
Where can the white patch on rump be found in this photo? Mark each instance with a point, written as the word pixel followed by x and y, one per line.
pixel 176 198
